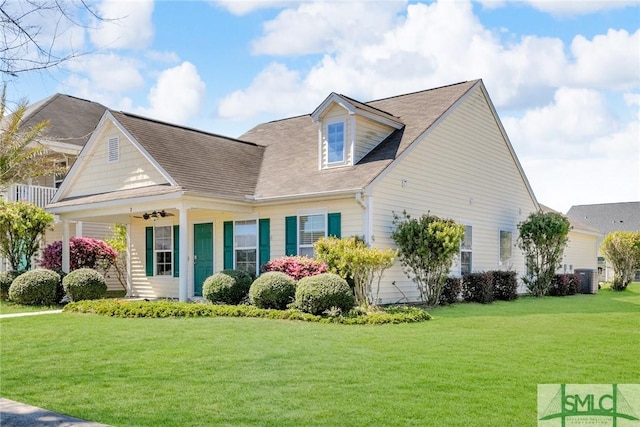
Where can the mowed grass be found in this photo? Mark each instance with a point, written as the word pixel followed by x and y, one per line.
pixel 472 365
pixel 8 307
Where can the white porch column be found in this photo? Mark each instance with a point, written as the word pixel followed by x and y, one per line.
pixel 128 272
pixel 184 254
pixel 65 246
pixel 79 229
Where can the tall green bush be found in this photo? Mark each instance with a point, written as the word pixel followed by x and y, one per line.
pixel 22 226
pixel 622 250
pixel 427 247
pixel 542 238
pixel 351 258
pixel 326 291
pixel 84 284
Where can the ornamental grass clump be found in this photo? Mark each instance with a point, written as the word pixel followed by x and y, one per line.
pixel 36 287
pixel 84 284
pixel 272 290
pixel 317 294
pixel 227 287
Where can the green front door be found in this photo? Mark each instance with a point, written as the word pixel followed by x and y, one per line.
pixel 202 255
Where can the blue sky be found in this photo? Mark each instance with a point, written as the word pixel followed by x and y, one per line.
pixel 564 75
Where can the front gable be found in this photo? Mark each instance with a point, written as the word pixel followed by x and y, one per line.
pixel 348 130
pixel 111 161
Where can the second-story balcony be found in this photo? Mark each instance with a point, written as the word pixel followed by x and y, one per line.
pixel 36 194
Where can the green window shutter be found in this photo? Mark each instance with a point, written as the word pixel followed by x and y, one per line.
pixel 291 235
pixel 176 251
pixel 264 234
pixel 334 227
pixel 228 244
pixel 149 250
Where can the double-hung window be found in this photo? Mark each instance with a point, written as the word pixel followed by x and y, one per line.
pixel 466 251
pixel 311 228
pixel 506 245
pixel 163 250
pixel 246 245
pixel 335 142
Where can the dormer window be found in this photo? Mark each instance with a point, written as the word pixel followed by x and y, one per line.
pixel 335 142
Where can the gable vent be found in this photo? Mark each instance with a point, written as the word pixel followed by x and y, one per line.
pixel 113 149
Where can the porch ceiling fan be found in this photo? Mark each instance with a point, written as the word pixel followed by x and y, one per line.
pixel 154 215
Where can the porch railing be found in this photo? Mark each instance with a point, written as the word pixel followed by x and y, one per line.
pixel 36 194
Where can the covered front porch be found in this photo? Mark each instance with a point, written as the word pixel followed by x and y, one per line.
pixel 174 241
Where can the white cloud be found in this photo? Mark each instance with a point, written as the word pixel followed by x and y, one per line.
pixel 108 72
pixel 162 56
pixel 125 24
pixel 244 7
pixel 177 96
pixel 325 27
pixel 610 60
pixel 579 7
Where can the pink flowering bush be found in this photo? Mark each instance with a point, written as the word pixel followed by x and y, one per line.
pixel 84 252
pixel 296 267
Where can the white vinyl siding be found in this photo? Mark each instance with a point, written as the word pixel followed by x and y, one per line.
pixel 462 170
pixel 368 135
pixel 581 252
pixel 133 170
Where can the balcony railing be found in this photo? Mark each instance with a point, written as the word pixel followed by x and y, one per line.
pixel 36 194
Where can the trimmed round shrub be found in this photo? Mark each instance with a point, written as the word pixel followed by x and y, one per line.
pixel 84 284
pixel 35 287
pixel 317 294
pixel 272 290
pixel 227 287
pixel 6 278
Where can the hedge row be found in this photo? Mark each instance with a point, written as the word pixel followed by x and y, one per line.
pixel 160 309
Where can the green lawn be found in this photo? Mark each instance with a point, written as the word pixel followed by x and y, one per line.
pixel 472 365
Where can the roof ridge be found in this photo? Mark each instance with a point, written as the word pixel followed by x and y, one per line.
pixel 187 128
pixel 421 91
pixel 43 103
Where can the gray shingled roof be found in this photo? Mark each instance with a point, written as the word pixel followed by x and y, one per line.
pixel 575 223
pixel 72 119
pixel 200 162
pixel 290 164
pixel 608 217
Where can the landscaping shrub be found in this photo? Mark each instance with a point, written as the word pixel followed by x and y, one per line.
pixel 295 267
pixel 161 309
pixel 505 285
pixel 227 287
pixel 84 252
pixel 272 290
pixel 564 284
pixel 36 287
pixel 451 290
pixel 316 294
pixel 478 287
pixel 84 284
pixel 6 278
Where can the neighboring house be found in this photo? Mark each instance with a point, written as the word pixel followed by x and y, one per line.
pixel 196 203
pixel 72 121
pixel 581 252
pixel 608 217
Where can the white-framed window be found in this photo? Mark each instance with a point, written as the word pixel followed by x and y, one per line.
pixel 336 142
pixel 61 167
pixel 466 251
pixel 506 246
pixel 245 242
pixel 311 227
pixel 113 149
pixel 163 250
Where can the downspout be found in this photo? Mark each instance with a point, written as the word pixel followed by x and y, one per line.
pixel 366 216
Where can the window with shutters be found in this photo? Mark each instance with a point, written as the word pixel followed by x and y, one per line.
pixel 311 228
pixel 246 246
pixel 113 149
pixel 163 250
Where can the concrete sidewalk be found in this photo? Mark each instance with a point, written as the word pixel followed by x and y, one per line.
pixel 29 313
pixel 16 414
